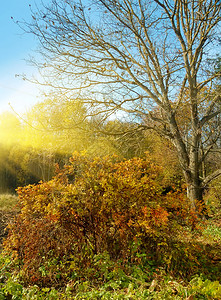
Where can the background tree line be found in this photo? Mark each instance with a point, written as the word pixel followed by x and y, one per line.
pixel 31 146
pixel 54 129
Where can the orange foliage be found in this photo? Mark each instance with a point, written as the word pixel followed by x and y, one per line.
pixel 91 206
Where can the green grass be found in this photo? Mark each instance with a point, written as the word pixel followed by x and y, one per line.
pixel 8 202
pixel 163 288
pixel 213 232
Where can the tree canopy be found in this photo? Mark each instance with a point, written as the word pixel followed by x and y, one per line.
pixel 146 61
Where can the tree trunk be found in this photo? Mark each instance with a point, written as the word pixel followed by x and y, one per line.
pixel 194 193
pixel 195 188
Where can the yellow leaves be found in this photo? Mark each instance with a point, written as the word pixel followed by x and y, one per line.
pixel 92 205
pixel 102 185
pixel 145 224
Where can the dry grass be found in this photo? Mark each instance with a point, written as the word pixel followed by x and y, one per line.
pixel 8 202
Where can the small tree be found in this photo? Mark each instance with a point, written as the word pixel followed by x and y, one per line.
pixel 136 57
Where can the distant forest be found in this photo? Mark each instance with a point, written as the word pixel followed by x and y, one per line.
pixel 33 144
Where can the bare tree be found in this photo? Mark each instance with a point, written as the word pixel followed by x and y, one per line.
pixel 131 58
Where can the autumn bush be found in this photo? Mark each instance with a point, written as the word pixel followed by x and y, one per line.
pixel 97 206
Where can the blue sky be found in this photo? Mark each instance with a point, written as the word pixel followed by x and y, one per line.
pixel 15 47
